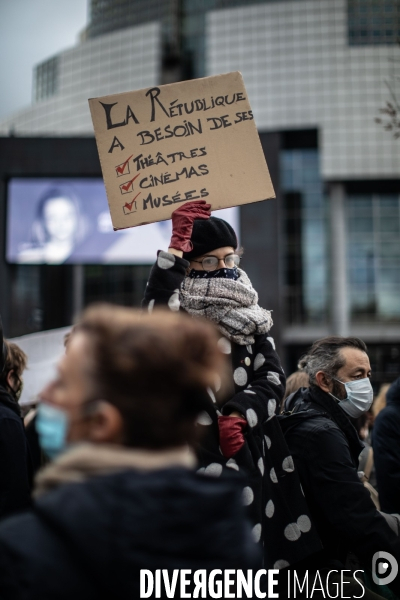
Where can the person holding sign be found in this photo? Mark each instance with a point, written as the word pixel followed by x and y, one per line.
pixel 200 274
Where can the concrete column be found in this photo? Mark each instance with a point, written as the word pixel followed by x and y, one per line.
pixel 338 248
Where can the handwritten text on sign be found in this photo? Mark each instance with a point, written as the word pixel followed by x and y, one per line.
pixel 179 142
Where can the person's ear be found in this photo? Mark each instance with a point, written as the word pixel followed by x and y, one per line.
pixel 10 379
pixel 106 424
pixel 323 382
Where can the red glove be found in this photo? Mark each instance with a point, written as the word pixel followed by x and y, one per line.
pixel 231 438
pixel 182 223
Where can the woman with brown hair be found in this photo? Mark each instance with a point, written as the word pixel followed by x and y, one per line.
pixel 121 493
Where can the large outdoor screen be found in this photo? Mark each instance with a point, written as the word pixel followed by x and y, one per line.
pixel 57 221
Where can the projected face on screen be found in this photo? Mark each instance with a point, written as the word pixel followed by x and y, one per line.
pixel 60 220
pixel 57 228
pixel 57 221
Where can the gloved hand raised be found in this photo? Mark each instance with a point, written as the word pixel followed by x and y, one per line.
pixel 182 223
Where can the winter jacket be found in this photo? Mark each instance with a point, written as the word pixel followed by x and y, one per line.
pixel 386 446
pixel 15 463
pixel 88 541
pixel 259 385
pixel 325 449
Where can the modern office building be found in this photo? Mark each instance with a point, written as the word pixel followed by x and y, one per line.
pixel 326 254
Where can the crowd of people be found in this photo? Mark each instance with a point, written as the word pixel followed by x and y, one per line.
pixel 170 439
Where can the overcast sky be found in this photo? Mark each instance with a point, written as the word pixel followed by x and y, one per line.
pixel 30 32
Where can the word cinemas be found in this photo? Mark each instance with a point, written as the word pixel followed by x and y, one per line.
pixel 232 583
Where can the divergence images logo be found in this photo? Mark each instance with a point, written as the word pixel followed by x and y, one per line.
pixel 384 564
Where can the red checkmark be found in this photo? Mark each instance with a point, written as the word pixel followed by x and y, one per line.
pixel 121 169
pixel 129 205
pixel 124 187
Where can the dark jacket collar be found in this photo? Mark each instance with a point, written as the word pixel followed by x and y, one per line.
pixel 7 400
pixel 393 393
pixel 314 400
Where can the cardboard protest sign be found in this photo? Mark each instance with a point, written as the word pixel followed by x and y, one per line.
pixel 173 143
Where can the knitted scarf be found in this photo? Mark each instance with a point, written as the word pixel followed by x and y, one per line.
pixel 232 305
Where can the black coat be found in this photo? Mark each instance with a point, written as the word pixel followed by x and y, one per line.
pixel 15 463
pixel 85 541
pixel 325 448
pixel 386 445
pixel 272 491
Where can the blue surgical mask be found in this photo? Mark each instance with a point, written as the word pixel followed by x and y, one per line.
pixel 52 428
pixel 359 399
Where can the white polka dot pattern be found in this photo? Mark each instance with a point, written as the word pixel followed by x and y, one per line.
pixel 271 408
pixel 249 349
pixel 204 418
pixel 256 532
pixel 271 341
pixel 211 394
pixel 273 378
pixel 214 469
pixel 165 260
pixel 259 361
pixel 248 496
pixel 281 564
pixel 240 376
pixel 260 465
pixel 251 417
pixel 174 303
pixel 270 509
pixel 232 464
pixel 304 523
pixel 249 392
pixel 292 532
pixel 288 464
pixel 268 441
pixel 273 476
pixel 151 306
pixel 224 345
pixel 201 470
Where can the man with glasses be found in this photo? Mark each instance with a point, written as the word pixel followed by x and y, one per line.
pixel 200 274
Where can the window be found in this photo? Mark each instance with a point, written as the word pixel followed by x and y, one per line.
pixel 46 79
pixel 374 257
pixel 373 22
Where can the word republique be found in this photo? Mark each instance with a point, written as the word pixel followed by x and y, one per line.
pixel 176 109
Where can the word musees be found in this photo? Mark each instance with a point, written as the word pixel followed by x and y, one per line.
pixel 173 109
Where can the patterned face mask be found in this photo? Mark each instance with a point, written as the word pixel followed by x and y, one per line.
pixel 221 273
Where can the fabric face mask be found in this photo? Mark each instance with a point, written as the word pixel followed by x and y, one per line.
pixel 221 273
pixel 52 427
pixel 359 397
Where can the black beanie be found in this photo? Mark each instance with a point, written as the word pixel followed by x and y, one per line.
pixel 210 234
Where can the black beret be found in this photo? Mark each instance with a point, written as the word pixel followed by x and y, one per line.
pixel 210 234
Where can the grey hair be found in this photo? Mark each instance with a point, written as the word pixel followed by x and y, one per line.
pixel 325 355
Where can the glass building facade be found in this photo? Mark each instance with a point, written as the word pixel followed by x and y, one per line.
pixel 373 22
pixel 373 251
pixel 305 237
pixel 315 65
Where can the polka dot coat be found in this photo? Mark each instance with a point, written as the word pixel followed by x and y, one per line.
pixel 271 490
